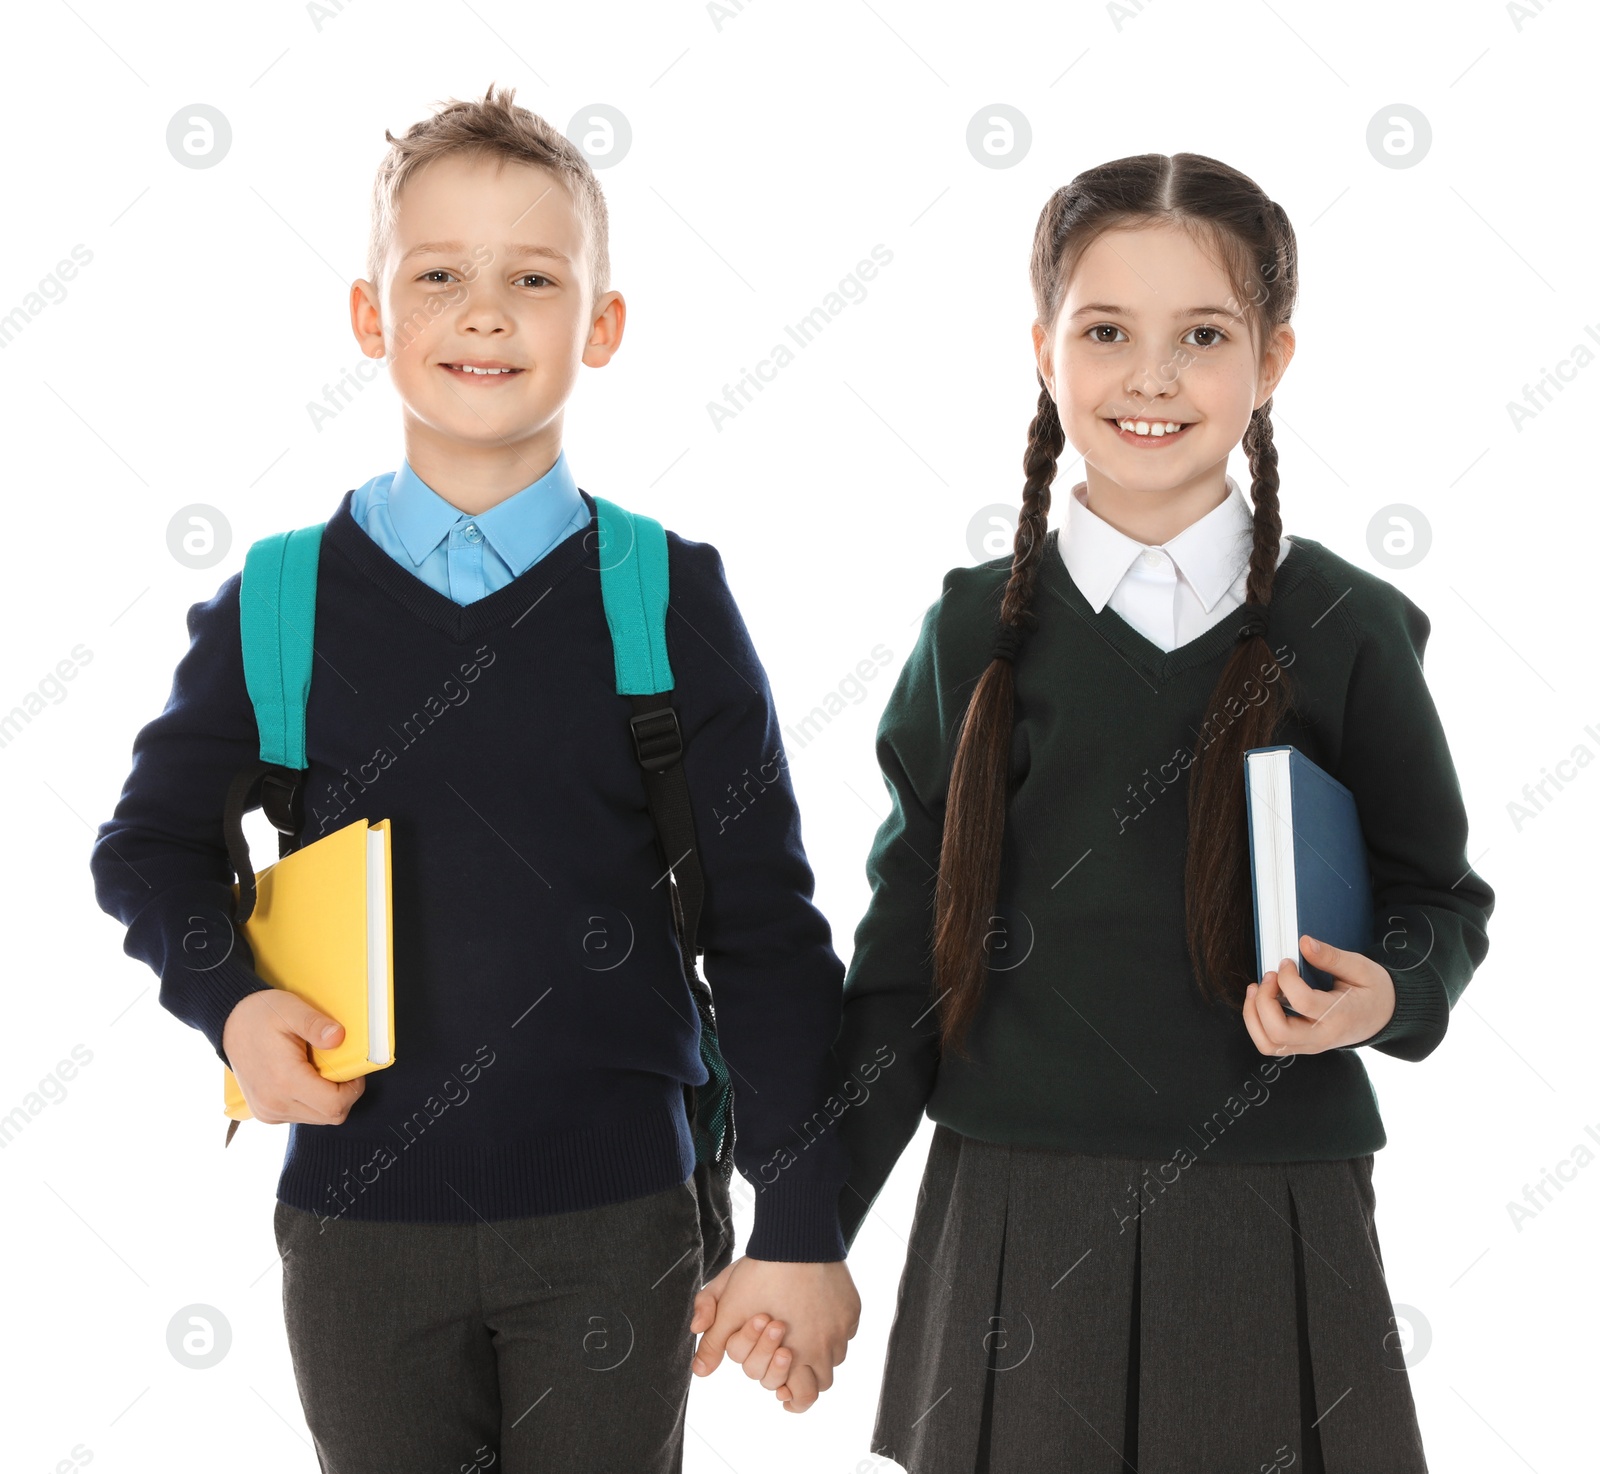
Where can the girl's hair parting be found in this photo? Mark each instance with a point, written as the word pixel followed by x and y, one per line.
pixel 1250 234
pixel 495 128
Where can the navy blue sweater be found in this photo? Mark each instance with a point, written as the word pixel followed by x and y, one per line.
pixel 543 1027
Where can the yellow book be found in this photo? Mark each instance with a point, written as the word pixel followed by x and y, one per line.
pixel 323 930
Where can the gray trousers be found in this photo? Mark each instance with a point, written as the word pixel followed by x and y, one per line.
pixel 556 1343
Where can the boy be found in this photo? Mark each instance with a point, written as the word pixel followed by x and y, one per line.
pixel 490 1248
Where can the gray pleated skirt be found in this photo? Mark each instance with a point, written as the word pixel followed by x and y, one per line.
pixel 1063 1313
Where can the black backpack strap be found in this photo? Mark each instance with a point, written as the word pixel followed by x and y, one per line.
pixel 658 743
pixel 281 800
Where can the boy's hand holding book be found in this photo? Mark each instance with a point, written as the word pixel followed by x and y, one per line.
pixel 265 1039
pixel 788 1325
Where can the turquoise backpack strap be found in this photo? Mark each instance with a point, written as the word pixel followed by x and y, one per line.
pixel 277 619
pixel 633 587
pixel 634 590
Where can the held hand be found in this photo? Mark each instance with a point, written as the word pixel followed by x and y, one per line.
pixel 1360 1004
pixel 755 1352
pixel 814 1308
pixel 265 1039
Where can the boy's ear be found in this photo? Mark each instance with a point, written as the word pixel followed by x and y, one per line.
pixel 605 331
pixel 366 319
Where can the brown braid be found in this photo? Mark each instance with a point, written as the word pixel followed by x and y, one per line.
pixel 980 774
pixel 1217 866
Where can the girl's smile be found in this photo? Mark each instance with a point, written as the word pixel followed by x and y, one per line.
pixel 1149 433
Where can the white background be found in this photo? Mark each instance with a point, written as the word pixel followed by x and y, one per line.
pixel 772 151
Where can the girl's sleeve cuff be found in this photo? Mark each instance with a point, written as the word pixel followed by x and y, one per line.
pixel 1421 1015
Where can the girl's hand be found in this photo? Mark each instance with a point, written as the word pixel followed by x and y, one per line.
pixel 1359 1005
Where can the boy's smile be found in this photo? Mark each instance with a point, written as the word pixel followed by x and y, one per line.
pixel 486 310
pixel 481 368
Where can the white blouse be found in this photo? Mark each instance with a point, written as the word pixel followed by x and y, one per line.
pixel 1173 592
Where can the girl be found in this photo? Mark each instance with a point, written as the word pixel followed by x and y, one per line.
pixel 1145 1236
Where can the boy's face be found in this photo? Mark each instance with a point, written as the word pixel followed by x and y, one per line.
pixel 488 268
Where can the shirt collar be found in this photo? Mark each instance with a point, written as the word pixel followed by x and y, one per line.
pixel 1210 553
pixel 521 529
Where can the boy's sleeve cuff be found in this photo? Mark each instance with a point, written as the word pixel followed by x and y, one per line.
pixel 797 1222
pixel 210 996
pixel 853 1211
pixel 178 933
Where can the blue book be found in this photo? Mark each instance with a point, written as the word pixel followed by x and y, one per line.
pixel 1308 861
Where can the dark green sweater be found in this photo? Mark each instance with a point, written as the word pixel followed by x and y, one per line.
pixel 1092 1035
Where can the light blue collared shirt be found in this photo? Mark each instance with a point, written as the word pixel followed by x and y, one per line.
pixel 460 554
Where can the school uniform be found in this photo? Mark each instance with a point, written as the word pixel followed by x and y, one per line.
pixel 1139 1242
pixel 492 1261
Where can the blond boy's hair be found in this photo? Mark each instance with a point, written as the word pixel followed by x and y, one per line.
pixel 491 128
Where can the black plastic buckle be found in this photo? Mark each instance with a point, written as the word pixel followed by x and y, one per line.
pixel 657 739
pixel 281 800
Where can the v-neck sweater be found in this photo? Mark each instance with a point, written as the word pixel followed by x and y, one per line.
pixel 544 1029
pixel 1091 1034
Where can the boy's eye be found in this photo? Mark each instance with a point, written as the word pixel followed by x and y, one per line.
pixel 436 272
pixel 534 276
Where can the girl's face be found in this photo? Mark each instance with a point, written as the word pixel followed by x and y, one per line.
pixel 1151 332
